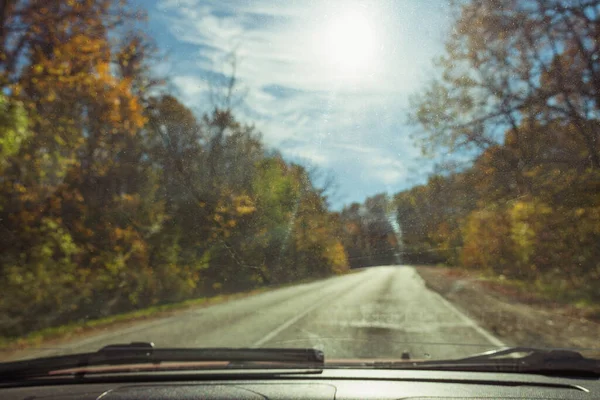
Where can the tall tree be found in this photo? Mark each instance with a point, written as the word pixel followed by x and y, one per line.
pixel 511 62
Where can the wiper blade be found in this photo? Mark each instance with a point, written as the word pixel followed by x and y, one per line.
pixel 514 359
pixel 526 353
pixel 145 353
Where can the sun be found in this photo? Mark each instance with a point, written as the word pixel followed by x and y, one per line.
pixel 349 43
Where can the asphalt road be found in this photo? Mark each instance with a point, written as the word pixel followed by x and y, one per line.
pixel 376 313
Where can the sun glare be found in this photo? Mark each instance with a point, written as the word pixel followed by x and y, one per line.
pixel 350 43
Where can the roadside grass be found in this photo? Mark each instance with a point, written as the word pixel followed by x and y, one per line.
pixel 580 301
pixel 79 328
pixel 87 327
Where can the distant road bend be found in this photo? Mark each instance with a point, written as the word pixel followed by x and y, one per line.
pixel 376 313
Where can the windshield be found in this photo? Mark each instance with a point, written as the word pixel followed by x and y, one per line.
pixel 377 180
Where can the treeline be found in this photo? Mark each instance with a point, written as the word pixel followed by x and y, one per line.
pixel 115 196
pixel 368 234
pixel 520 85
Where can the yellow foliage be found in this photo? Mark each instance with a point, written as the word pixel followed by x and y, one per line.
pixel 244 205
pixel 337 258
pixel 526 220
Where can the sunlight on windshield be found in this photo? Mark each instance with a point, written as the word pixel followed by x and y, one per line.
pixel 350 42
pixel 375 179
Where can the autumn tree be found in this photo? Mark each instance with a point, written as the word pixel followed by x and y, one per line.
pixel 518 92
pixel 510 63
pixel 114 195
pixel 369 237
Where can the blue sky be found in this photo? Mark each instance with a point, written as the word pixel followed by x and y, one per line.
pixel 326 82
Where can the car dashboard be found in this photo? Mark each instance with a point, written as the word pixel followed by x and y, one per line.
pixel 328 384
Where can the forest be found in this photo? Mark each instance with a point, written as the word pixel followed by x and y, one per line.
pixel 518 97
pixel 115 196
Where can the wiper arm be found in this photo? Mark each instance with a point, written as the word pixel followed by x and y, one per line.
pixel 526 354
pixel 516 359
pixel 138 353
pixel 541 360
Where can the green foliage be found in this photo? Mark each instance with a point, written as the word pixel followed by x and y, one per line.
pixel 368 235
pixel 115 197
pixel 13 128
pixel 515 83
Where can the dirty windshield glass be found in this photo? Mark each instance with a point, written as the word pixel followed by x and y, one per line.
pixel 413 179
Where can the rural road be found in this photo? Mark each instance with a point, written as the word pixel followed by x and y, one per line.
pixel 376 313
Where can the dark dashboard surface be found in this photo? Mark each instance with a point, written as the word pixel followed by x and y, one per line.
pixel 331 384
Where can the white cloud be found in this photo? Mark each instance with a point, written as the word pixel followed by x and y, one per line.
pixel 308 155
pixel 297 101
pixel 190 87
pixel 386 169
pixel 289 52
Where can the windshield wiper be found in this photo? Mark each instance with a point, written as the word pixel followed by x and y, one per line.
pixel 514 359
pixel 145 353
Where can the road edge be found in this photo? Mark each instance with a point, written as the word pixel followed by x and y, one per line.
pixel 462 314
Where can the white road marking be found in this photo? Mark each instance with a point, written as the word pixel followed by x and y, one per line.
pixel 470 323
pixel 466 320
pixel 294 319
pixel 288 323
